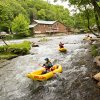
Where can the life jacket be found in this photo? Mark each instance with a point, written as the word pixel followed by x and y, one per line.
pixel 48 65
pixel 61 45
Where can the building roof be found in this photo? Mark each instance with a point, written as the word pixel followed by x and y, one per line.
pixel 44 22
pixel 33 25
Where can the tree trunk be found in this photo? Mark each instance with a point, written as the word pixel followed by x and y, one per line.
pixel 88 20
pixel 97 8
pixel 2 38
pixel 4 42
pixel 97 14
pixel 10 30
pixel 97 19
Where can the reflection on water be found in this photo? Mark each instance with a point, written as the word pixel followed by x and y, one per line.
pixel 16 86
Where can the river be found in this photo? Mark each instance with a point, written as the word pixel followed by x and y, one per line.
pixel 74 83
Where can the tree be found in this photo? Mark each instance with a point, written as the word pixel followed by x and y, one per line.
pixel 30 9
pixel 86 3
pixel 41 14
pixel 6 17
pixel 20 25
pixel 2 37
pixel 9 9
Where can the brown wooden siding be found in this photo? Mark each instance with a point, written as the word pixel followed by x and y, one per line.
pixel 61 28
pixel 55 28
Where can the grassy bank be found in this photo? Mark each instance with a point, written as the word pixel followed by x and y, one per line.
pixel 94 50
pixel 13 50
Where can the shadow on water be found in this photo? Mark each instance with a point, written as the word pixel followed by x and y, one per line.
pixel 73 83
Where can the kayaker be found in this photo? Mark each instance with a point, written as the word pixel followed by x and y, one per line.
pixel 47 65
pixel 61 45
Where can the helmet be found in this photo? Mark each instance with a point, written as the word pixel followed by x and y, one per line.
pixel 46 59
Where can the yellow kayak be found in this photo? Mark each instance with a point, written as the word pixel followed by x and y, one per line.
pixel 37 75
pixel 62 49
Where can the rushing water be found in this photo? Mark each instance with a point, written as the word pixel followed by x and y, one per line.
pixel 73 84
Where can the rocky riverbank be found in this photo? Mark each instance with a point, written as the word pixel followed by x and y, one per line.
pixel 95 51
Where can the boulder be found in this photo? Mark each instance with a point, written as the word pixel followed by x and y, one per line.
pixel 98 84
pixel 96 39
pixel 34 45
pixel 96 61
pixel 97 76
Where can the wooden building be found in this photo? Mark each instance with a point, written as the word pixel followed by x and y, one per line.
pixel 40 26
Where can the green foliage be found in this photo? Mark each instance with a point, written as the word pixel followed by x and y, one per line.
pixel 94 50
pixel 84 6
pixel 5 16
pixel 42 14
pixel 9 9
pixel 47 11
pixel 14 36
pixel 15 15
pixel 94 47
pixel 80 19
pixel 20 25
pixel 12 10
pixel 19 49
pixel 94 53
